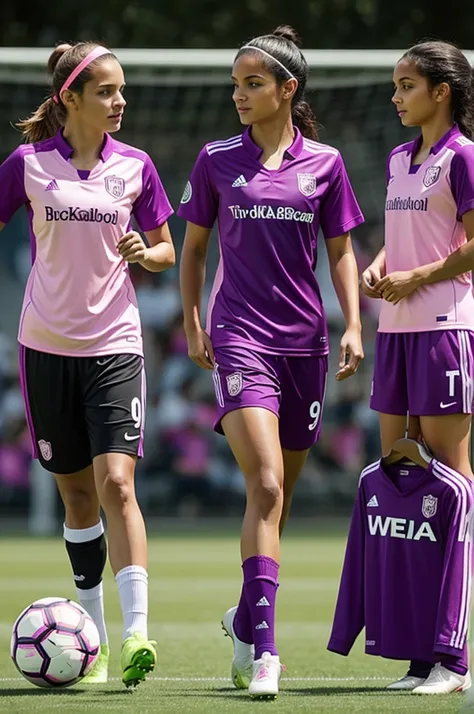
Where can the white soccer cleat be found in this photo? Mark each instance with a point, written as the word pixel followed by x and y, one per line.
pixel 241 670
pixel 265 677
pixel 443 681
pixel 406 683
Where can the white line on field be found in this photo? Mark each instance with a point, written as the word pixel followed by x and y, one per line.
pixel 227 679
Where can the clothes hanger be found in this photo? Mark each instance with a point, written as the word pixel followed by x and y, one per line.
pixel 408 450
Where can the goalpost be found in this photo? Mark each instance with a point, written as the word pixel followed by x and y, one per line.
pixel 180 99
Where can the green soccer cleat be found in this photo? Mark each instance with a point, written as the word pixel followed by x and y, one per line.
pixel 100 671
pixel 138 658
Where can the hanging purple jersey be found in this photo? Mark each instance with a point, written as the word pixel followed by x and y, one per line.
pixel 407 570
pixel 265 293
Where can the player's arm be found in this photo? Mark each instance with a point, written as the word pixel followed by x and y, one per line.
pixel 345 279
pixel 159 256
pixel 372 274
pixel 192 277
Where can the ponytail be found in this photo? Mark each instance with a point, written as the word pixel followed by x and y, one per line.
pixel 304 118
pixel 43 123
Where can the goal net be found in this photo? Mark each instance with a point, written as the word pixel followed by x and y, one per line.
pixel 178 100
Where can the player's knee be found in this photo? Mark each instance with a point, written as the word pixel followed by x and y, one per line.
pixel 266 492
pixel 80 505
pixel 117 489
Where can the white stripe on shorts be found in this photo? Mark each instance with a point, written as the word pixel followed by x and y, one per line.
pixel 218 386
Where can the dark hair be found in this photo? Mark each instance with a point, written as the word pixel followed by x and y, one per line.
pixel 51 115
pixel 282 44
pixel 444 62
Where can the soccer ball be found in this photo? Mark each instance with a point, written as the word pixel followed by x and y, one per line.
pixel 55 643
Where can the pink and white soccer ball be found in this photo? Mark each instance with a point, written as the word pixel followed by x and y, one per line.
pixel 55 643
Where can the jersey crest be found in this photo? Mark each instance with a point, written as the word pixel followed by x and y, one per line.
pixel 115 186
pixel 431 175
pixel 307 184
pixel 429 506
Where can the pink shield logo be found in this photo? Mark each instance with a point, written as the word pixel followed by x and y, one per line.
pixel 115 186
pixel 45 449
pixel 431 175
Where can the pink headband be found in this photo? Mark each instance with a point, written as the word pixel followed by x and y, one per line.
pixel 93 55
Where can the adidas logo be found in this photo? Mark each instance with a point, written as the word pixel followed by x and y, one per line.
pixel 79 578
pixel 263 602
pixel 52 186
pixel 373 503
pixel 262 626
pixel 239 182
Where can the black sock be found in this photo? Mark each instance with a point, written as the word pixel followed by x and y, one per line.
pixel 88 561
pixel 420 668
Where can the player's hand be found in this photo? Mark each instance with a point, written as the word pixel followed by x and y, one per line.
pixel 369 278
pixel 132 247
pixel 200 349
pixel 351 353
pixel 398 285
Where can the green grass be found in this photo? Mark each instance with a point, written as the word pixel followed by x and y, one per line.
pixel 193 580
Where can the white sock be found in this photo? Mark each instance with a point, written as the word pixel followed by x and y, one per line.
pixel 132 583
pixel 92 600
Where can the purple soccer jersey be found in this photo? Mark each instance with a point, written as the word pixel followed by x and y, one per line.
pixel 79 298
pixel 265 293
pixel 408 565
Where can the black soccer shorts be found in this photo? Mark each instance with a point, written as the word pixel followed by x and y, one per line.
pixel 80 407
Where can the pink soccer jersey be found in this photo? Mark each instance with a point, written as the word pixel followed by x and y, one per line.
pixel 423 223
pixel 265 294
pixel 79 298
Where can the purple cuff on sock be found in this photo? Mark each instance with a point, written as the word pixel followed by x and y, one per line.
pixel 260 567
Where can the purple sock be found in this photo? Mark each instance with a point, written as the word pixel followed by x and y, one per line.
pixel 455 664
pixel 242 621
pixel 260 588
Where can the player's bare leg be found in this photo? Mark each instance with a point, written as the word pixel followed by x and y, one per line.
pixel 448 437
pixel 87 550
pixel 293 463
pixel 253 435
pixel 393 427
pixel 115 482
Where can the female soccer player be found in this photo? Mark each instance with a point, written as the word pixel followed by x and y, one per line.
pixel 81 354
pixel 424 353
pixel 270 189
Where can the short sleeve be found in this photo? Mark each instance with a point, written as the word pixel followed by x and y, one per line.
pixel 152 207
pixel 462 180
pixel 12 181
pixel 340 211
pixel 200 201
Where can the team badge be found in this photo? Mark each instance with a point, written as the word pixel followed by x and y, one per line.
pixel 431 175
pixel 429 506
pixel 46 450
pixel 307 184
pixel 187 193
pixel 234 383
pixel 115 186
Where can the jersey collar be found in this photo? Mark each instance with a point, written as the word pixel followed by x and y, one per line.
pixel 66 150
pixel 292 152
pixel 451 134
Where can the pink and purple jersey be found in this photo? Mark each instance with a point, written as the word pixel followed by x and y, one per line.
pixel 265 293
pixel 423 223
pixel 408 565
pixel 79 298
